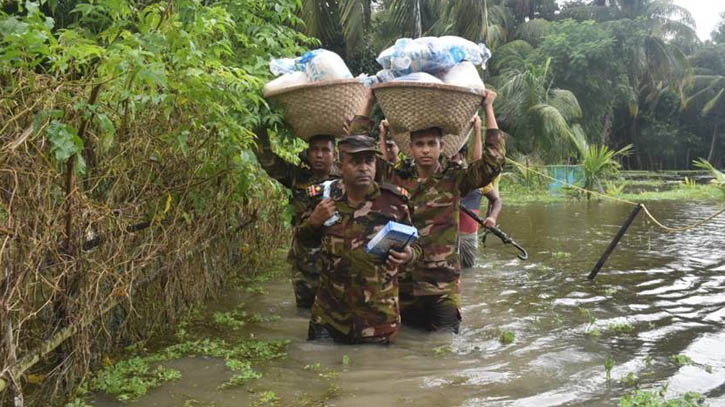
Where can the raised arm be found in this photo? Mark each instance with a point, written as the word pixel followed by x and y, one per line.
pixel 477 141
pixel 483 171
pixel 275 166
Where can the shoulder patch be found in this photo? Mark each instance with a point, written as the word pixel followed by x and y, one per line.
pixel 314 190
pixel 399 191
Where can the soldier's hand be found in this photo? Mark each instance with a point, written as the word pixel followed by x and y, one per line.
pixel 489 98
pixel 397 258
pixel 489 222
pixel 384 126
pixel 476 124
pixel 322 212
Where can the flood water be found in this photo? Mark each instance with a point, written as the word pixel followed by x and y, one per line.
pixel 669 287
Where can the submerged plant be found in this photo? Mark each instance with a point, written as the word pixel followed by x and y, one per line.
pixel 608 365
pixel 507 337
pixel 641 398
pixel 681 360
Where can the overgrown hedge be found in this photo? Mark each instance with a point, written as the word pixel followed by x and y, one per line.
pixel 125 169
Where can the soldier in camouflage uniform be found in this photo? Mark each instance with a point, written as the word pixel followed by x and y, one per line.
pixel 317 168
pixel 430 292
pixel 357 300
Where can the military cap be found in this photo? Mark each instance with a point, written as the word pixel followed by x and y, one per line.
pixel 356 143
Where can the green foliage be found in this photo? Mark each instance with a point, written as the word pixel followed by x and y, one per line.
pixel 267 398
pixel 630 380
pixel 719 177
pixel 246 373
pixel 598 162
pixel 689 183
pixel 642 398
pixel 624 327
pixel 608 366
pixel 204 62
pixel 681 360
pixel 132 378
pixel 507 337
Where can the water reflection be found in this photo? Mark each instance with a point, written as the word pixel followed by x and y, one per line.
pixel 659 295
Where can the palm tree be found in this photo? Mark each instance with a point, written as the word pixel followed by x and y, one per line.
pixel 537 115
pixel 706 91
pixel 342 26
pixel 597 162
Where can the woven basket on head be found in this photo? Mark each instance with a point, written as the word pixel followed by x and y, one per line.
pixel 321 107
pixel 411 106
pixel 452 143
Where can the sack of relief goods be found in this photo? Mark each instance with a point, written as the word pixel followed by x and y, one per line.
pixel 317 93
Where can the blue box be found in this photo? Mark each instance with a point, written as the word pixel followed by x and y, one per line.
pixel 393 236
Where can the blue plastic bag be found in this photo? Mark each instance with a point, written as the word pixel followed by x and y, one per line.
pixel 431 54
pixel 319 65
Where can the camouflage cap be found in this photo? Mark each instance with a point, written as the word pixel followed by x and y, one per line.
pixel 356 143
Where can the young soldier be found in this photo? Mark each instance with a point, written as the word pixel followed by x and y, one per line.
pixel 430 295
pixel 319 167
pixel 357 299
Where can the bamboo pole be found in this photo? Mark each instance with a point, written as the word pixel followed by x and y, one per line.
pixel 614 242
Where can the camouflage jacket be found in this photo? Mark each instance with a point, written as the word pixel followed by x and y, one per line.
pixel 297 178
pixel 358 293
pixel 435 203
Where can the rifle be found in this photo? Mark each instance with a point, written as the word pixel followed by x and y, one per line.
pixel 523 255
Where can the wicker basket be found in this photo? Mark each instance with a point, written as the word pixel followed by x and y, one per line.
pixel 321 107
pixel 411 106
pixel 452 143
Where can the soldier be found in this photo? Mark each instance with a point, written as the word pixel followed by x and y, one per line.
pixel 430 293
pixel 468 241
pixel 357 299
pixel 318 167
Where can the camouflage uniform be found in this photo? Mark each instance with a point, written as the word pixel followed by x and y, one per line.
pixel 430 291
pixel 357 300
pixel 297 179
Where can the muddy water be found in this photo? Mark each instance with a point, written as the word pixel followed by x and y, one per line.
pixel 669 288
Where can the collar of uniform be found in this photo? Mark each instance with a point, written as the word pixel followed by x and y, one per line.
pixel 339 194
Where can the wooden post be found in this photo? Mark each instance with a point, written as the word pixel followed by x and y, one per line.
pixel 614 242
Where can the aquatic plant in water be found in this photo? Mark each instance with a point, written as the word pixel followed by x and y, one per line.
pixel 642 398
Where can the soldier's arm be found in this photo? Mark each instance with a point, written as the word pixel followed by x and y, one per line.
pixel 311 230
pixel 275 166
pixel 483 171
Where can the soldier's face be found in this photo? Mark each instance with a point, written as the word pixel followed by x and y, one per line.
pixel 426 148
pixel 358 169
pixel 321 155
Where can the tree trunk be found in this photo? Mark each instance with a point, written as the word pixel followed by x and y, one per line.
pixel 713 143
pixel 418 18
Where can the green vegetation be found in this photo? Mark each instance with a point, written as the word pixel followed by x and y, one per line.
pixel 642 398
pixel 681 360
pixel 618 73
pixel 608 365
pixel 507 337
pixel 630 380
pixel 515 193
pixel 131 378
